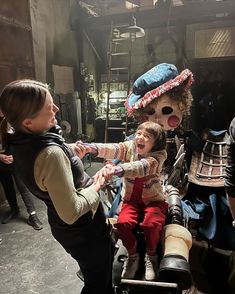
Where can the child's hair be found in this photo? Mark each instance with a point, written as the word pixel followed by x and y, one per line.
pixel 157 132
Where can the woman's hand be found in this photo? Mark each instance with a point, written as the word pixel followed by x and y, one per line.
pixel 99 183
pixel 6 159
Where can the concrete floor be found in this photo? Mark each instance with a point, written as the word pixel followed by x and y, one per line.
pixel 32 261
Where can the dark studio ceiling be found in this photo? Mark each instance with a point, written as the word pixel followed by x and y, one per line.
pixel 163 13
pixel 96 16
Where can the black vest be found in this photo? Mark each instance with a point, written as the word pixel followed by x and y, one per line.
pixel 25 149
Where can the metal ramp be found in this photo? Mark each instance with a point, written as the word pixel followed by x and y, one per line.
pixel 138 285
pixel 149 287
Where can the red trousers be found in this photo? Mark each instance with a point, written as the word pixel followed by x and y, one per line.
pixel 152 216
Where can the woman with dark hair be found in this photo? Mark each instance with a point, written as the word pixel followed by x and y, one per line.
pixel 55 175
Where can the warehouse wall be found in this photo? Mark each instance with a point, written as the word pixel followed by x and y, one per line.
pixel 54 42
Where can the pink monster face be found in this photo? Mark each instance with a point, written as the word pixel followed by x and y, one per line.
pixel 166 112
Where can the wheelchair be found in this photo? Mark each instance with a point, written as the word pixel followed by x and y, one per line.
pixel 182 181
pixel 174 271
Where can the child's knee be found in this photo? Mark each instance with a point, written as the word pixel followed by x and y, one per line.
pixel 125 224
pixel 151 225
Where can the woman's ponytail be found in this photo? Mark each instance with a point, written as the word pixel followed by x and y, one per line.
pixel 4 127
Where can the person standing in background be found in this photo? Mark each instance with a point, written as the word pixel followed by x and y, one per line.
pixel 230 170
pixel 7 173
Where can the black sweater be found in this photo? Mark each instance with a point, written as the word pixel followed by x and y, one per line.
pixel 230 167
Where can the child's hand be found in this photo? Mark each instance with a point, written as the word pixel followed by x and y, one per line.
pixel 106 172
pixel 79 148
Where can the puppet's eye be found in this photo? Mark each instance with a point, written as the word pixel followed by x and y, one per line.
pixel 167 110
pixel 151 111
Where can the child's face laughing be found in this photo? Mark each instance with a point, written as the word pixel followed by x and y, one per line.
pixel 144 142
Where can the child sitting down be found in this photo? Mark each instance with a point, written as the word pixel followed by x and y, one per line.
pixel 142 194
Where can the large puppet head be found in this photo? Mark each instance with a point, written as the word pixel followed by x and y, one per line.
pixel 161 95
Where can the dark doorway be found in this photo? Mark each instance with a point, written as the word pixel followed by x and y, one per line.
pixel 214 94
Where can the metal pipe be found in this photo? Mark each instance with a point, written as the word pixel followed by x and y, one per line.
pixel 92 46
pixel 149 283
